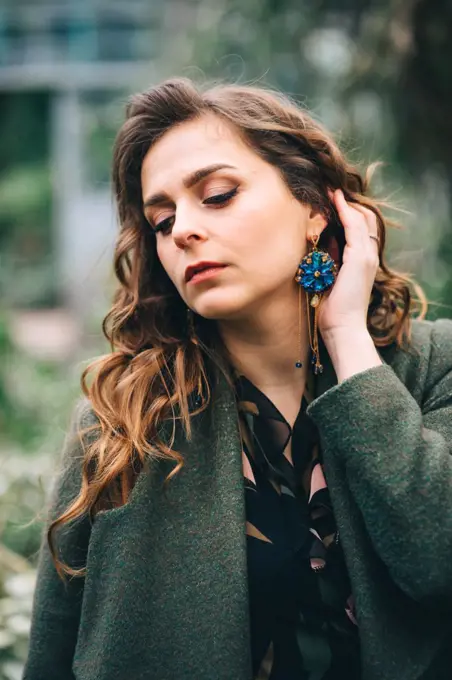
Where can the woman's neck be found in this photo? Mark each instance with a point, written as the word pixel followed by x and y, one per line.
pixel 265 348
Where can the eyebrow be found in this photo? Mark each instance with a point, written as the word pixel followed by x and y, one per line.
pixel 190 181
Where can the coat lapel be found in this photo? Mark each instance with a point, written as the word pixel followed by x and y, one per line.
pixel 206 502
pixel 168 570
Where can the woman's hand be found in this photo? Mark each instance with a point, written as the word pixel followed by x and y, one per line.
pixel 344 309
pixel 342 316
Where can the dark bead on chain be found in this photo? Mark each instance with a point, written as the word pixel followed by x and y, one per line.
pixel 298 364
pixel 316 367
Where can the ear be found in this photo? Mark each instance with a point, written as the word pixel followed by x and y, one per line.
pixel 317 222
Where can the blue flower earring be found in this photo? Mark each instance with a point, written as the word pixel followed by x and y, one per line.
pixel 316 273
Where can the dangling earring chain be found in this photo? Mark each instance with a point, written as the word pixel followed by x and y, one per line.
pixel 314 337
pixel 299 363
pixel 316 273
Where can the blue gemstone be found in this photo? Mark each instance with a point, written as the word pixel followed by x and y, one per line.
pixel 298 364
pixel 325 273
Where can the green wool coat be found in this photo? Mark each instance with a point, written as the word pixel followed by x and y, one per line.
pixel 165 596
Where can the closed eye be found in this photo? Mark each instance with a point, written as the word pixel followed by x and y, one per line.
pixel 164 226
pixel 218 200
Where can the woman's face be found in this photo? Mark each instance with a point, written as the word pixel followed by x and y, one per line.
pixel 212 200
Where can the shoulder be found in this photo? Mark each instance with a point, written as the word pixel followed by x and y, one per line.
pixel 433 340
pixel 83 415
pixel 83 429
pixel 83 424
pixel 438 384
pixel 435 335
pixel 427 361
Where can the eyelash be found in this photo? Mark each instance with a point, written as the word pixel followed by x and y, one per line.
pixel 218 199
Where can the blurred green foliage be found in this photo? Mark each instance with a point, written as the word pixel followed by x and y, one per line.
pixel 102 117
pixel 27 269
pixel 23 381
pixel 36 396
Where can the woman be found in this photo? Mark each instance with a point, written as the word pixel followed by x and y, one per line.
pixel 240 515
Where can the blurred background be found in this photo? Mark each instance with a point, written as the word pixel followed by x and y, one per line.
pixel 378 74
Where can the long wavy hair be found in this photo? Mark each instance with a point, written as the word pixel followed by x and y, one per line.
pixel 156 364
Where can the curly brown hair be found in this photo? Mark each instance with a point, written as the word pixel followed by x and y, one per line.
pixel 155 365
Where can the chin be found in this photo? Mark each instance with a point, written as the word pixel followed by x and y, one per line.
pixel 216 305
pixel 217 312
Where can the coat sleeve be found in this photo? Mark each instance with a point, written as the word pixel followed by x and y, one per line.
pixel 398 465
pixel 57 604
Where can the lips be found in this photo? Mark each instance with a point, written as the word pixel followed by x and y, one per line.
pixel 200 267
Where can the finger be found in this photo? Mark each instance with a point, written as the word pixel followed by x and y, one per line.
pixel 343 206
pixel 353 221
pixel 362 209
pixel 371 222
pixel 358 218
pixel 369 214
pixel 375 242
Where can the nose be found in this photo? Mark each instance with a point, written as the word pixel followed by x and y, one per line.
pixel 187 228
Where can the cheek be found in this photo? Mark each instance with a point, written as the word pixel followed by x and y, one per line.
pixel 251 227
pixel 272 233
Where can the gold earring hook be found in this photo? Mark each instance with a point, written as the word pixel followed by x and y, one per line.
pixel 314 239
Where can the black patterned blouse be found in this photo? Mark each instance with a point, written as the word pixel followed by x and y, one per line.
pixel 301 607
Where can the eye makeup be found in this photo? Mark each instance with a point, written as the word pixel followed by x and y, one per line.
pixel 218 200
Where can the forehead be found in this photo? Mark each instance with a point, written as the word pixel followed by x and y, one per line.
pixel 190 146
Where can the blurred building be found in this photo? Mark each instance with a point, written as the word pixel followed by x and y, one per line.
pixel 85 54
